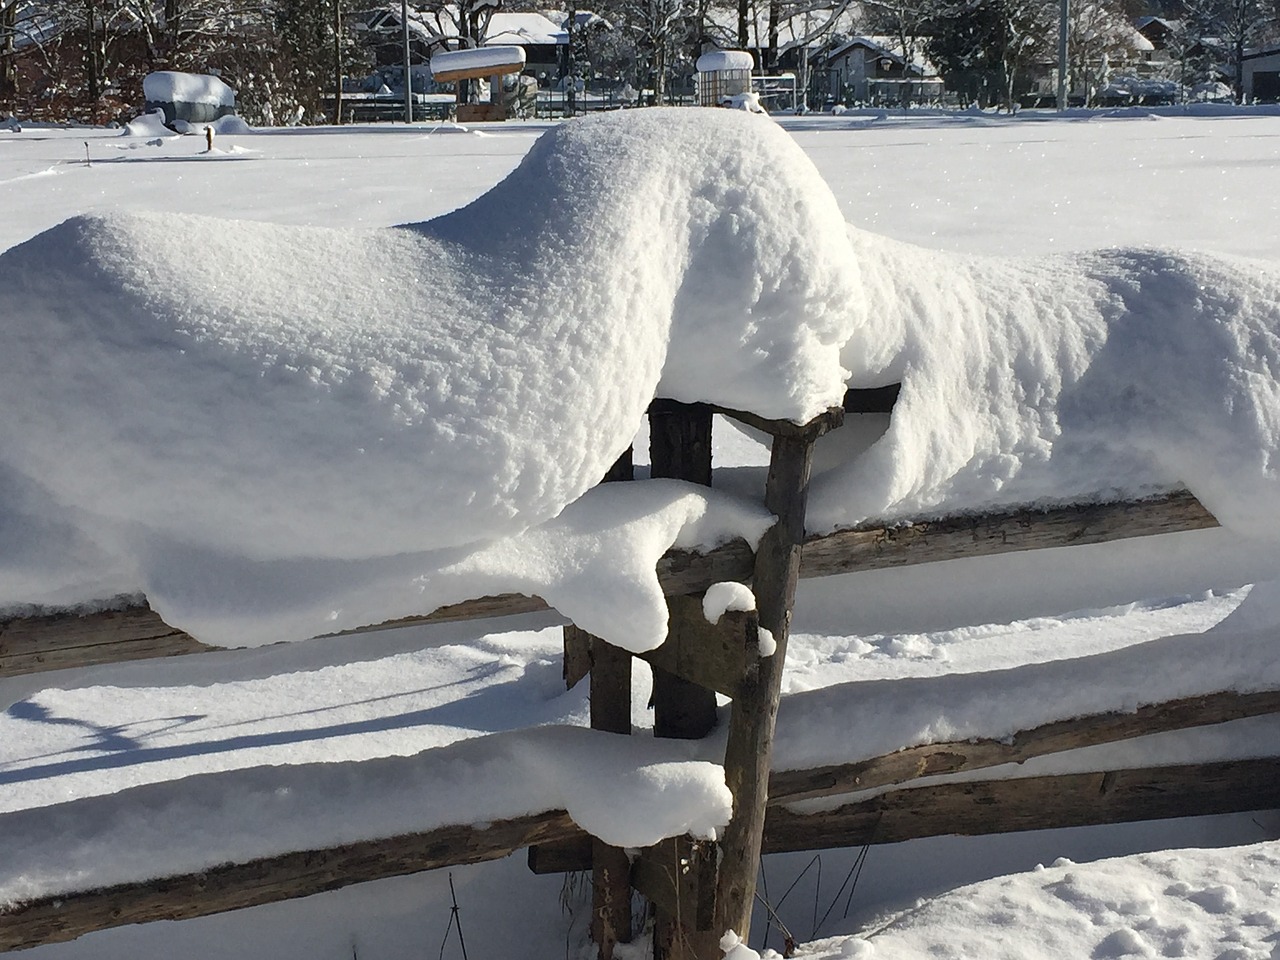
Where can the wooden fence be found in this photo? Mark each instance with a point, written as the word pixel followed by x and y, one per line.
pixel 715 886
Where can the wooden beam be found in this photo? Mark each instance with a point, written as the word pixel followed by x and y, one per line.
pixel 64 917
pixel 787 428
pixel 873 547
pixel 788 786
pixel 872 400
pixel 678 876
pixel 610 670
pixel 56 641
pixel 754 714
pixel 709 655
pixel 562 856
pixel 983 807
pixel 1032 803
pixel 610 866
pixel 956 808
pixel 903 766
pixel 680 449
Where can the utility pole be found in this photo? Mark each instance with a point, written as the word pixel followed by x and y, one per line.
pixel 337 62
pixel 408 75
pixel 1064 22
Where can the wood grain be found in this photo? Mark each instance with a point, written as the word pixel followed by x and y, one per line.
pixel 271 879
pixel 1033 803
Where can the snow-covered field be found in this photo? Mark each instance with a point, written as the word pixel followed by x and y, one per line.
pixel 967 185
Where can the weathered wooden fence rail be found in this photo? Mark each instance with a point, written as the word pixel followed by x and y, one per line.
pixel 62 640
pixel 557 844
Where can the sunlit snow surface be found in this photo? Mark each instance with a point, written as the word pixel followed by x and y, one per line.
pixel 966 185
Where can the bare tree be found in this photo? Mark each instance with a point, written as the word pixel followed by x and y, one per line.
pixel 1098 38
pixel 1234 26
pixel 9 56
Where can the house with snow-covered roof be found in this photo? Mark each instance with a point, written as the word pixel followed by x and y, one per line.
pixel 875 70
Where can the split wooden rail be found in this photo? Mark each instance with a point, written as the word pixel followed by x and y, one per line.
pixel 699 891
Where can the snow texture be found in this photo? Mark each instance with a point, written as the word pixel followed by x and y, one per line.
pixel 1081 377
pixel 170 86
pixel 716 60
pixel 595 563
pixel 148 125
pixel 995 704
pixel 725 596
pixel 1180 903
pixel 630 791
pixel 502 59
pixel 202 394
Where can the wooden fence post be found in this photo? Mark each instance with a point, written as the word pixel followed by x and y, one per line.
pixel 680 449
pixel 610 866
pixel 610 672
pixel 755 711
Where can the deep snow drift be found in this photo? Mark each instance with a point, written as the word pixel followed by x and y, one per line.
pixel 956 182
pixel 1063 379
pixel 1183 903
pixel 276 392
pixel 276 431
pixel 207 402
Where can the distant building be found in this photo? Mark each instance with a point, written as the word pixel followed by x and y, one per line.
pixel 1157 31
pixel 1261 75
pixel 872 70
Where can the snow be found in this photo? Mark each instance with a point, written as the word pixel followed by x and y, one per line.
pixel 169 86
pixel 595 563
pixel 1184 903
pixel 1079 377
pixel 89 754
pixel 723 597
pixel 744 101
pixel 264 402
pixel 148 125
pixel 996 704
pixel 502 59
pixel 630 791
pixel 529 29
pixel 714 61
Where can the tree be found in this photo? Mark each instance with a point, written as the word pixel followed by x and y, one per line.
pixel 1098 37
pixel 1235 25
pixel 907 21
pixel 1000 40
pixel 966 46
pixel 8 56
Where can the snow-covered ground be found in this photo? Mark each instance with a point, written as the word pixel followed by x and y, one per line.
pixel 1026 187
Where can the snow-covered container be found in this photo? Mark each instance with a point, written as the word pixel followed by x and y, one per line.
pixel 723 75
pixel 193 97
pixel 481 62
